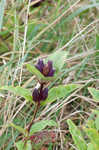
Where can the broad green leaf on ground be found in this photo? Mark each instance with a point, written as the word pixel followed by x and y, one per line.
pixel 97 122
pixel 38 74
pixel 91 123
pixel 20 129
pixel 2 6
pixel 97 58
pixel 93 136
pixel 95 111
pixel 22 146
pixel 90 146
pixel 97 52
pixel 41 125
pixel 58 58
pixel 19 91
pixel 94 93
pixel 60 92
pixel 28 146
pixel 97 41
pixel 77 136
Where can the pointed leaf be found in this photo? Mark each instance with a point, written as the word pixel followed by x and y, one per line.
pixel 97 52
pixel 19 91
pixel 94 93
pixel 97 122
pixel 58 58
pixel 35 71
pixel 41 125
pixel 20 129
pixel 77 136
pixel 95 111
pixel 28 146
pixel 93 136
pixel 97 41
pixel 22 146
pixel 90 147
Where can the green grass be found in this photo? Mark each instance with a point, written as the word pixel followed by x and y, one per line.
pixel 28 33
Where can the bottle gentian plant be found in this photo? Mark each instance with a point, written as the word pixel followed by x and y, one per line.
pixel 44 72
pixel 41 93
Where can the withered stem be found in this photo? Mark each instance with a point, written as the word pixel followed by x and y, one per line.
pixel 34 115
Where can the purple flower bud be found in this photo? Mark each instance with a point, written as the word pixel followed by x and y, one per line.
pixel 46 69
pixel 40 94
pixel 44 93
pixel 35 95
pixel 40 65
pixel 50 64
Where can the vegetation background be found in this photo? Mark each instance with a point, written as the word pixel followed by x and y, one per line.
pixel 29 32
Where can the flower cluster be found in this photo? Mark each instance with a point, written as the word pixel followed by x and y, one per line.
pixel 40 94
pixel 47 70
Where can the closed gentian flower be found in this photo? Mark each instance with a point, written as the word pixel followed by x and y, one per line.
pixel 40 94
pixel 46 69
pixel 44 94
pixel 35 95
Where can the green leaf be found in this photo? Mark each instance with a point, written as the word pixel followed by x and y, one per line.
pixel 38 74
pixel 58 58
pixel 97 122
pixel 41 125
pixel 94 93
pixel 59 92
pixel 77 136
pixel 95 111
pixel 35 71
pixel 93 136
pixel 90 147
pixel 97 52
pixel 19 91
pixel 20 129
pixel 22 146
pixel 2 5
pixel 97 41
pixel 91 124
pixel 97 58
pixel 28 146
